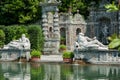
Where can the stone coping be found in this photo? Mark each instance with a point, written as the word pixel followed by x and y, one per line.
pixel 95 50
pixel 15 50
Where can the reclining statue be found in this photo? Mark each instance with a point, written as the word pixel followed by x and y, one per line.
pixel 84 42
pixel 22 43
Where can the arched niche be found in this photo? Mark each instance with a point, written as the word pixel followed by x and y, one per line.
pixel 104 29
pixel 63 35
pixel 78 30
pixel 50 29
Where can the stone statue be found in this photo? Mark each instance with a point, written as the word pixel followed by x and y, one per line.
pixel 105 31
pixel 25 43
pixel 84 42
pixel 105 34
pixel 22 43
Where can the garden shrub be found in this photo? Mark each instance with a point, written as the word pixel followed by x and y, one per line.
pixel 35 53
pixel 14 32
pixel 2 38
pixel 68 54
pixel 63 47
pixel 36 37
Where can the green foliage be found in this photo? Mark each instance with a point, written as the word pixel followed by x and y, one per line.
pixel 115 42
pixel 37 71
pixel 2 38
pixel 35 53
pixel 36 37
pixel 19 11
pixel 112 37
pixel 62 46
pixel 28 11
pixel 74 4
pixel 66 71
pixel 62 38
pixel 68 54
pixel 111 7
pixel 14 32
pixel 81 5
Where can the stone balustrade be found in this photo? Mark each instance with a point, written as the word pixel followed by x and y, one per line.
pixel 98 56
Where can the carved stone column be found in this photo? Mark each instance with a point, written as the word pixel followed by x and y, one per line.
pixel 50 27
pixel 45 25
pixel 56 31
pixel 56 23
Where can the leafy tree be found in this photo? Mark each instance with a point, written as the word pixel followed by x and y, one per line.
pixel 13 32
pixel 74 4
pixel 19 11
pixel 81 5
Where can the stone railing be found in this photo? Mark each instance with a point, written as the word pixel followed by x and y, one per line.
pixel 98 56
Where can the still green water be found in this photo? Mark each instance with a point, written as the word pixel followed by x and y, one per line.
pixel 50 71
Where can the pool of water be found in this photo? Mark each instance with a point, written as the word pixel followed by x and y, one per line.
pixel 56 71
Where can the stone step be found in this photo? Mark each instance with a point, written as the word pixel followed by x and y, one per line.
pixel 51 58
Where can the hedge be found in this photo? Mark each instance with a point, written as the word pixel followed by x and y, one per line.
pixel 2 38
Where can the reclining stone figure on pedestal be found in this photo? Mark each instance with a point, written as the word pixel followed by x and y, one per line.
pixel 22 43
pixel 84 42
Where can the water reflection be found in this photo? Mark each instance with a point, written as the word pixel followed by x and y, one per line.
pixel 15 71
pixel 37 71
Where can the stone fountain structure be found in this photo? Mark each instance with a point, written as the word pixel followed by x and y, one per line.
pixel 60 25
pixel 93 51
